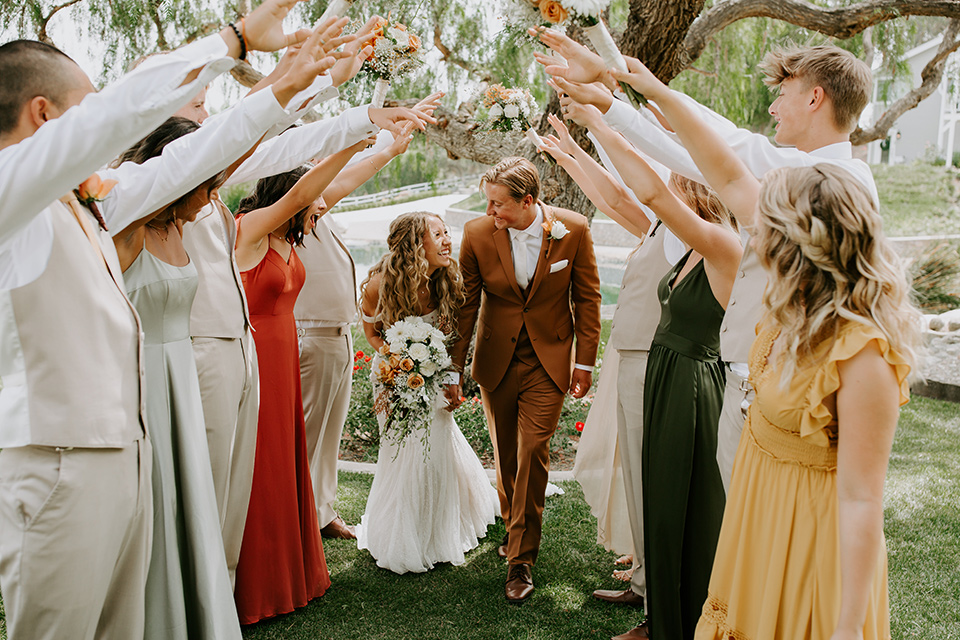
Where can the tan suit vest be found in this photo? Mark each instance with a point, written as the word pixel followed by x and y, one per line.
pixel 330 290
pixel 745 309
pixel 638 308
pixel 70 348
pixel 220 307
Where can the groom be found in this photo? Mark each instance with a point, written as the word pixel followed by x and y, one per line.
pixel 531 272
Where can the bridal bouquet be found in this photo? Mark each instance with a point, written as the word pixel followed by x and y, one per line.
pixel 413 360
pixel 396 52
pixel 507 109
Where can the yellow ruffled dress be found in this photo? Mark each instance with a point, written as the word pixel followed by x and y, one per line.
pixel 777 568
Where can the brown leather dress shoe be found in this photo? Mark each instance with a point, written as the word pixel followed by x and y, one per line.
pixel 639 632
pixel 626 596
pixel 519 585
pixel 338 529
pixel 502 549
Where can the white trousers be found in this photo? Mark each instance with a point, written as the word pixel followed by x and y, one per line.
pixel 737 397
pixel 326 376
pixel 630 379
pixel 75 539
pixel 230 392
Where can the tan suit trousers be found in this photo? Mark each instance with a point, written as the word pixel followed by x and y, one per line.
pixel 522 414
pixel 75 536
pixel 326 376
pixel 229 390
pixel 737 397
pixel 630 378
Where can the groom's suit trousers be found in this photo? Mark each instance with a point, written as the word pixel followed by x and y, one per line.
pixel 522 413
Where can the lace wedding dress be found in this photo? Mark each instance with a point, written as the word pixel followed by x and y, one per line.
pixel 428 507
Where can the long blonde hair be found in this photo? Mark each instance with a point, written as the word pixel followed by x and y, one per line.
pixel 403 268
pixel 822 241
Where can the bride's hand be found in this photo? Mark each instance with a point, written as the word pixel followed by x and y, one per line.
pixel 452 393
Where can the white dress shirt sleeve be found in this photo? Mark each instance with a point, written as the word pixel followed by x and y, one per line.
pixel 67 150
pixel 317 139
pixel 755 150
pixel 188 161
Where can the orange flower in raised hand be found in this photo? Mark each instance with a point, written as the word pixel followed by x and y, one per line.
pixel 415 381
pixel 414 43
pixel 94 189
pixel 552 11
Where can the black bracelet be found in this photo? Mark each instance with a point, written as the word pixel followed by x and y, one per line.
pixel 243 43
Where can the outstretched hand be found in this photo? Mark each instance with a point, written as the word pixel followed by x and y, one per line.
pixel 580 383
pixel 392 118
pixel 310 61
pixel 564 141
pixel 429 104
pixel 582 65
pixel 355 53
pixel 263 27
pixel 551 145
pixel 593 94
pixel 640 78
pixel 402 140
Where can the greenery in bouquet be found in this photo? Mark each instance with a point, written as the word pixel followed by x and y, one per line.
pixel 396 52
pixel 410 368
pixel 506 109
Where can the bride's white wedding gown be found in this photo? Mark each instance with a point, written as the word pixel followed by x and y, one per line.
pixel 426 509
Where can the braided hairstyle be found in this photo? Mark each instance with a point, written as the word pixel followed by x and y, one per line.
pixel 821 239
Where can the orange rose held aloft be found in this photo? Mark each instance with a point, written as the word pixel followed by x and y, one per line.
pixel 414 43
pixel 415 381
pixel 406 364
pixel 552 11
pixel 94 189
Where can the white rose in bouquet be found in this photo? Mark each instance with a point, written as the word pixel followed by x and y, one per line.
pixel 511 111
pixel 429 368
pixel 400 36
pixel 496 111
pixel 419 352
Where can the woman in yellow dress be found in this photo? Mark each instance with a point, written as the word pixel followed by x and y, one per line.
pixel 801 552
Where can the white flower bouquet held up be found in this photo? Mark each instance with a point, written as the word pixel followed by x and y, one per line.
pixel 396 52
pixel 410 371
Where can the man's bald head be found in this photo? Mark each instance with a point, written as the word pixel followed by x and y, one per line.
pixel 30 69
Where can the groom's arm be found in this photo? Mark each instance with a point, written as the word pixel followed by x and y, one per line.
pixel 473 288
pixel 585 295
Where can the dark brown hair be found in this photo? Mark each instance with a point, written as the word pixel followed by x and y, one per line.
pixel 269 190
pixel 30 69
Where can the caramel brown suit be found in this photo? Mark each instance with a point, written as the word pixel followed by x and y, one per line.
pixel 522 360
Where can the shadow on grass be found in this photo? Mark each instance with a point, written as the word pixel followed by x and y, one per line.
pixel 467 601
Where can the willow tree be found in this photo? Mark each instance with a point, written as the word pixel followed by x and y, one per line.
pixel 673 37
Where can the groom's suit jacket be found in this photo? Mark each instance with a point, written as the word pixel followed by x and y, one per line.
pixel 555 306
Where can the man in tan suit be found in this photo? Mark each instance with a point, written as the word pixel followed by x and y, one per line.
pixel 530 271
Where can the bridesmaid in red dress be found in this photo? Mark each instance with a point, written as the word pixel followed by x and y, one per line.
pixel 281 563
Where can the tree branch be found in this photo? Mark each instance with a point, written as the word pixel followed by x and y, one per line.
pixel 838 22
pixel 42 35
pixel 450 57
pixel 155 14
pixel 931 76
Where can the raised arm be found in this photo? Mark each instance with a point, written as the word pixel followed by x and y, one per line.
pixel 725 172
pixel 368 308
pixel 359 172
pixel 867 412
pixel 594 179
pixel 259 223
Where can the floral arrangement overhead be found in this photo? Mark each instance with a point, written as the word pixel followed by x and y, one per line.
pixel 507 109
pixel 396 52
pixel 410 368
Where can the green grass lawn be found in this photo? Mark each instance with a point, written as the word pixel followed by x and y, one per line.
pixel 918 199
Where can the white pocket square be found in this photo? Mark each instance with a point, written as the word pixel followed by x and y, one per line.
pixel 556 266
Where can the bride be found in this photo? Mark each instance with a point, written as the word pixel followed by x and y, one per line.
pixel 433 506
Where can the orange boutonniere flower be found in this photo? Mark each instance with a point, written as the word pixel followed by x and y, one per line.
pixel 555 229
pixel 94 189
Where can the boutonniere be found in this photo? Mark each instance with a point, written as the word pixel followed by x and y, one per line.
pixel 555 229
pixel 94 189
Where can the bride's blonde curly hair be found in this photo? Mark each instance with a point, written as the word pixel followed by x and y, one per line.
pixel 821 239
pixel 403 268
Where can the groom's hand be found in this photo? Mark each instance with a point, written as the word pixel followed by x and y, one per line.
pixel 452 393
pixel 580 383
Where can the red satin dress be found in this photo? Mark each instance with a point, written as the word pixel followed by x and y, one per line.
pixel 281 563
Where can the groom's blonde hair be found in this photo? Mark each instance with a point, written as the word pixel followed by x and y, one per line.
pixel 517 174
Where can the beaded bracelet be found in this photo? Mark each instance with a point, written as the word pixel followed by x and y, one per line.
pixel 243 42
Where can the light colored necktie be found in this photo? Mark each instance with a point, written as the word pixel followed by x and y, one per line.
pixel 520 260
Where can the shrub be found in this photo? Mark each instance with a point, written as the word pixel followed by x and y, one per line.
pixel 935 279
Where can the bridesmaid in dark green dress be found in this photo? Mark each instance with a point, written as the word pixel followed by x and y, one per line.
pixel 683 495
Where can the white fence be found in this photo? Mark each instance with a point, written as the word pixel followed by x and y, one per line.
pixel 408 190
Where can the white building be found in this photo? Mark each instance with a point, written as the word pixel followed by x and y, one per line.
pixel 931 128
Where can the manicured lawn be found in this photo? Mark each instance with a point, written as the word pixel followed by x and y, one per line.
pixel 918 199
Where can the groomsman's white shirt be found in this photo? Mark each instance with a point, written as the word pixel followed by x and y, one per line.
pixel 66 151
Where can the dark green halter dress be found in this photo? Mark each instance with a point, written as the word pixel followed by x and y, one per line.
pixel 683 495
